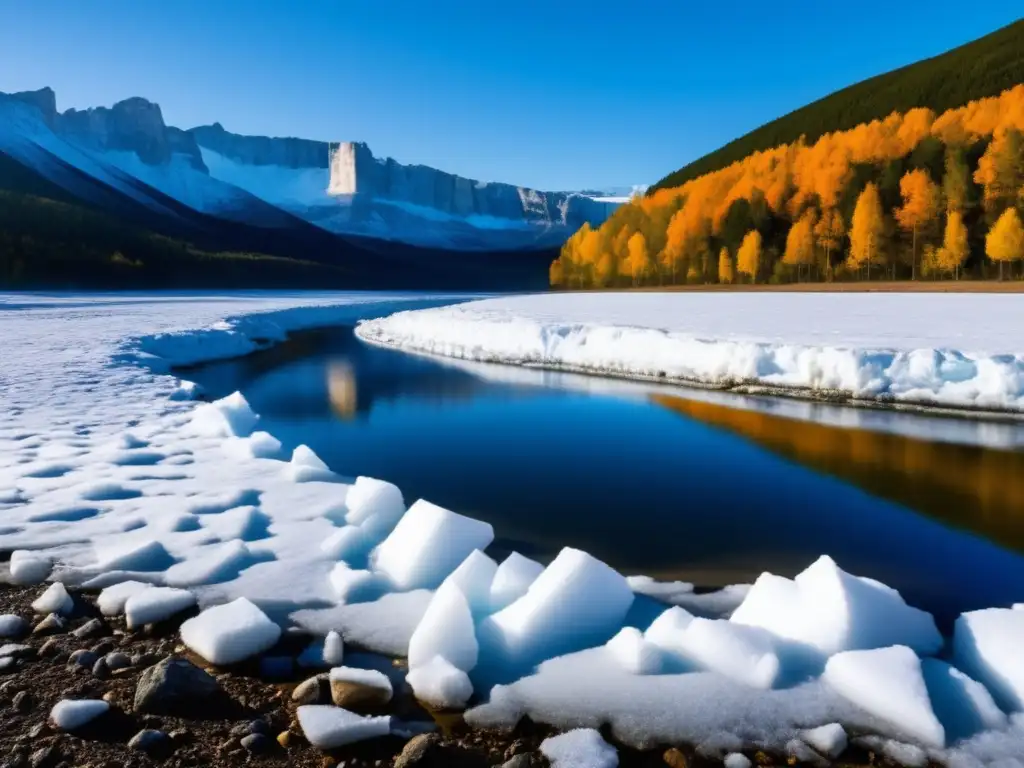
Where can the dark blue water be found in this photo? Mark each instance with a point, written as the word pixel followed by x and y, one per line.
pixel 640 485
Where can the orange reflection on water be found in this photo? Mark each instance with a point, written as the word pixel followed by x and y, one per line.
pixel 972 487
pixel 341 388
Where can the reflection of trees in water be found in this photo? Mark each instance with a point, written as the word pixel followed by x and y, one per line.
pixel 341 389
pixel 356 383
pixel 976 488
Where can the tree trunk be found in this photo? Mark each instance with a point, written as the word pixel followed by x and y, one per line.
pixel 913 256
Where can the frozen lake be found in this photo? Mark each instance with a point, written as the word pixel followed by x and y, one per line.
pixel 665 482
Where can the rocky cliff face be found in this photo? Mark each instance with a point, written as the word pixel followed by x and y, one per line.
pixel 355 172
pixel 133 125
pixel 343 188
pixel 262 150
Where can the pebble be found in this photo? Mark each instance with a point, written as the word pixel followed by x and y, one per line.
pixel 515 748
pixel 284 738
pixel 417 750
pixel 103 647
pixel 256 743
pixel 251 727
pixel 23 702
pixel 45 757
pixel 117 660
pixel 13 626
pixel 149 740
pixel 100 670
pixel 675 759
pixel 174 685
pixel 522 760
pixel 83 658
pixel 7 664
pixel 315 690
pixel 91 628
pixel 52 624
pixel 50 648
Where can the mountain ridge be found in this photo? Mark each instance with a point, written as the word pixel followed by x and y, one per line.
pixel 349 192
pixel 977 69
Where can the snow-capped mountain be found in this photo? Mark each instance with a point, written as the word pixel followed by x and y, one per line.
pixel 268 182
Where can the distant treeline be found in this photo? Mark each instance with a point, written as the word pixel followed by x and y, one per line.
pixel 914 195
pixel 48 243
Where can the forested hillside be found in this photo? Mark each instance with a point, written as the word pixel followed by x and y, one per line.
pixel 985 67
pixel 916 194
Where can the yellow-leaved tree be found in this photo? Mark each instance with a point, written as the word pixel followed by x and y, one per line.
pixel 867 230
pixel 800 242
pixel 638 257
pixel 1005 241
pixel 829 232
pixel 921 203
pixel 675 241
pixel 556 274
pixel 605 270
pixel 726 273
pixel 748 257
pixel 954 251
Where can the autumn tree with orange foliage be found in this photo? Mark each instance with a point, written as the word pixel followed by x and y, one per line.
pixel 867 230
pixel 910 166
pixel 748 258
pixel 726 272
pixel 1005 241
pixel 639 260
pixel 921 203
pixel 799 251
pixel 829 233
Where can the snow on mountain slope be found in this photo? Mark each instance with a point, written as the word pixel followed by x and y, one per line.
pixel 268 182
pixel 25 137
pixel 183 182
pixel 291 188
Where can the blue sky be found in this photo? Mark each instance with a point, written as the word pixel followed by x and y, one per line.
pixel 554 95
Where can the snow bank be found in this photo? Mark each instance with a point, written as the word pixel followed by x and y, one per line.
pixel 988 645
pixel 888 683
pixel 428 544
pixel 830 611
pixel 446 630
pixel 577 602
pixel 512 578
pixel 746 338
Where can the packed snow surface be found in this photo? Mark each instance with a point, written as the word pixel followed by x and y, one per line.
pixel 113 477
pixel 908 348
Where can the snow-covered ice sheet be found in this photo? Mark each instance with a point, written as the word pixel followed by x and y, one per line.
pixel 113 477
pixel 906 348
pixel 105 470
